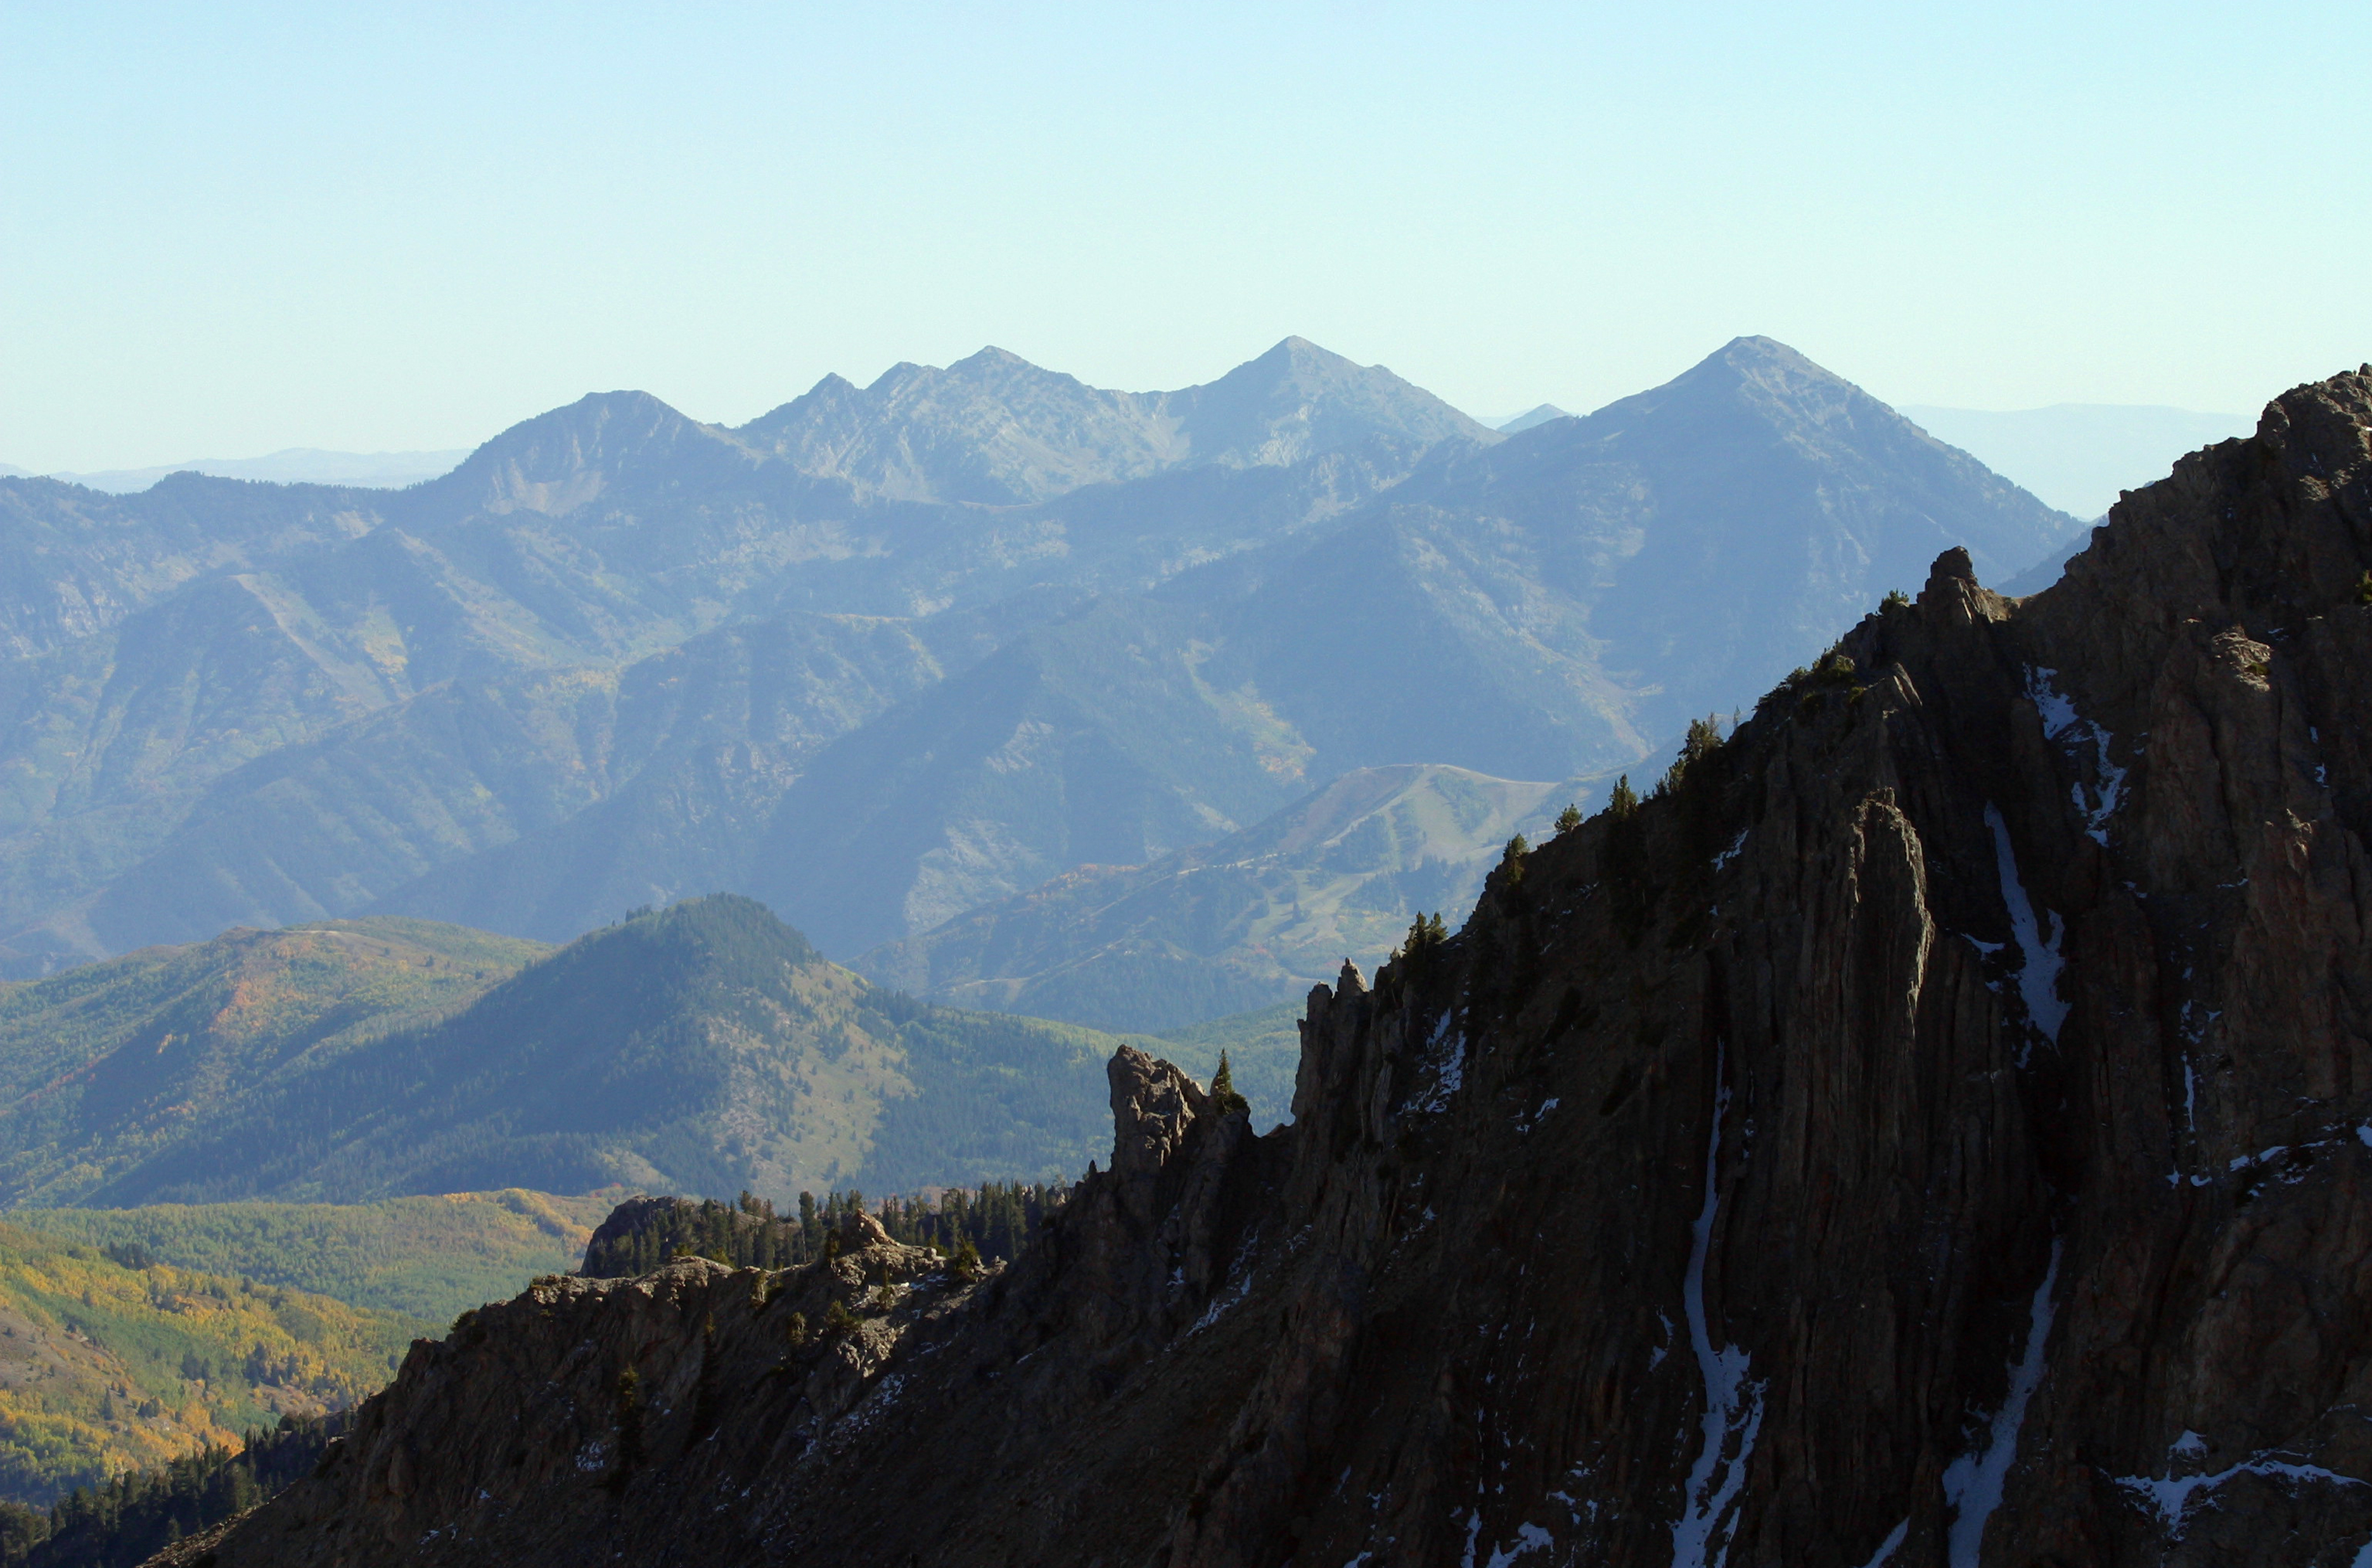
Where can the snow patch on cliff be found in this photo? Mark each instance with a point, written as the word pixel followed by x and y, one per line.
pixel 2038 978
pixel 1889 1546
pixel 1733 1413
pixel 1445 1054
pixel 2063 723
pixel 2171 1497
pixel 1973 1483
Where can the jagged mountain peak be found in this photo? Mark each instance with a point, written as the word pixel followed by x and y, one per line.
pixel 996 429
pixel 992 429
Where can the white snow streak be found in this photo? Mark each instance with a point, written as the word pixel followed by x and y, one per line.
pixel 2037 979
pixel 2171 1497
pixel 1972 1483
pixel 2062 722
pixel 1733 1413
pixel 1890 1545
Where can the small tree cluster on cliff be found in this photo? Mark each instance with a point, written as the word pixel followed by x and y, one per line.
pixel 1703 740
pixel 1568 820
pixel 1426 933
pixel 1223 1093
pixel 1511 862
pixel 1622 862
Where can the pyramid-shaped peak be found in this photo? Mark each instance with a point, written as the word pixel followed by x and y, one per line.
pixel 569 456
pixel 1757 373
pixel 990 357
pixel 1754 358
pixel 605 418
pixel 1299 353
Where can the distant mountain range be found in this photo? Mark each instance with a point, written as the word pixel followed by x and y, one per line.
pixel 297 465
pixel 886 656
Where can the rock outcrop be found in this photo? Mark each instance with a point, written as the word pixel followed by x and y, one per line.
pixel 1934 1127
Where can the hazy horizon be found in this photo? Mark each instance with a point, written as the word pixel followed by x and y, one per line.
pixel 255 228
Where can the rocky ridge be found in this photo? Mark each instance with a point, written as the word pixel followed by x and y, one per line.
pixel 1934 1127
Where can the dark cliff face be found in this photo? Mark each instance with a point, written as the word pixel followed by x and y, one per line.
pixel 1936 1130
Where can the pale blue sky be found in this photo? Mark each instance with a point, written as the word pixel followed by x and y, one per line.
pixel 232 229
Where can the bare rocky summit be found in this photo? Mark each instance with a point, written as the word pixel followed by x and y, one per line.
pixel 1935 1129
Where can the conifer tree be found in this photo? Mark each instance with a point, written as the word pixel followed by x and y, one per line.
pixel 1222 1090
pixel 1511 862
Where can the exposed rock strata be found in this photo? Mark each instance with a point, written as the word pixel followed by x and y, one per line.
pixel 1938 1130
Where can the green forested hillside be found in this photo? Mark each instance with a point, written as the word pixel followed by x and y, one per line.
pixel 105 1067
pixel 428 1257
pixel 701 1049
pixel 110 1361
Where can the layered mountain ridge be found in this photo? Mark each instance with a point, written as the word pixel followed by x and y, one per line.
pixel 1931 1129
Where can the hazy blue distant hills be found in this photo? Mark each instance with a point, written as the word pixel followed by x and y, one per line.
pixel 297 465
pixel 2078 457
pixel 1539 414
pixel 886 655
pixel 1243 922
pixel 705 1048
